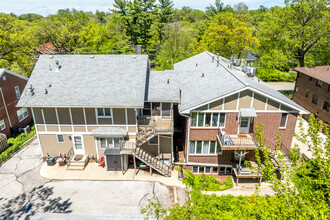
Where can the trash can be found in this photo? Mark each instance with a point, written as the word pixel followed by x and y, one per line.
pixel 50 161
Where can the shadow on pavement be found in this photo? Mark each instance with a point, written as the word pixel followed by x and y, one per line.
pixel 26 205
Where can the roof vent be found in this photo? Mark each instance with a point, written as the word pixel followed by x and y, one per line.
pixel 218 62
pixel 50 68
pixel 168 81
pixel 46 91
pixel 51 56
pixel 58 67
pixel 92 56
pixel 134 57
pixel 196 64
pixel 203 75
pixel 213 59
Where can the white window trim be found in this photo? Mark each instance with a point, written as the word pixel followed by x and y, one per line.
pixel 107 143
pixel 4 124
pixel 286 120
pixel 204 119
pixel 17 91
pixel 104 116
pixel 209 172
pixel 23 118
pixel 209 154
pixel 57 139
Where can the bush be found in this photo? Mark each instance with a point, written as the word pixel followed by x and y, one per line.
pixel 274 75
pixel 15 143
pixel 205 182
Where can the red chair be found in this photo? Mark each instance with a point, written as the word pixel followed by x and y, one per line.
pixel 101 161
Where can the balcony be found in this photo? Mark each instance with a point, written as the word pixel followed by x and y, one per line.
pixel 236 142
pixel 159 124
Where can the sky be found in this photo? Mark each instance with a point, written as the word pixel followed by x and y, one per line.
pixel 46 7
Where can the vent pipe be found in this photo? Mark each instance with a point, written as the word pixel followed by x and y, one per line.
pixel 138 49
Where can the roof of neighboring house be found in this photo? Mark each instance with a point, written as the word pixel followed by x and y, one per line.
pixel 205 82
pixel 85 80
pixel 2 71
pixel 319 72
pixel 48 48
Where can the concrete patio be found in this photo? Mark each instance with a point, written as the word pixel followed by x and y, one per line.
pixel 95 172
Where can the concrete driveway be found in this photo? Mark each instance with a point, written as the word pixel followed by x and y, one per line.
pixel 25 194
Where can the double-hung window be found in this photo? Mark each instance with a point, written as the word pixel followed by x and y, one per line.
pixel 60 138
pixel 203 147
pixel 284 119
pixel 22 114
pixel 326 106
pixel 207 120
pixel 109 143
pixel 314 99
pixel 319 83
pixel 18 93
pixel 104 112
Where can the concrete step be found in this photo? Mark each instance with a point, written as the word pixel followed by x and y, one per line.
pixel 75 168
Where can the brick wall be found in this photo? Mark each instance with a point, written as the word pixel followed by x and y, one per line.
pixel 8 90
pixel 203 134
pixel 225 158
pixel 231 126
pixel 303 83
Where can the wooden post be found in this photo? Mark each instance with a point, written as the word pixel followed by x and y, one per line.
pixel 134 165
pixel 237 180
pixel 239 164
pixel 260 179
pixel 122 164
pixel 150 171
pixel 158 146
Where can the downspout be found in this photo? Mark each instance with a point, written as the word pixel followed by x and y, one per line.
pixel 4 103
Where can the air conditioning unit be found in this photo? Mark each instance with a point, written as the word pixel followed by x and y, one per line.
pixel 244 69
pixel 26 129
pixel 252 71
pixel 237 62
pixel 248 70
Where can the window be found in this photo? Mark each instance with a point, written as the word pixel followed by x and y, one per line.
pixel 199 147
pixel 222 120
pixel 283 120
pixel 307 94
pixel 208 120
pixel 116 143
pixel 106 112
pixel 215 119
pixel 192 147
pixel 319 83
pixel 326 106
pixel 200 119
pixel 22 114
pixel 109 143
pixel 215 170
pixel 103 143
pixel 2 125
pixel 296 89
pixel 298 74
pixel 18 93
pixel 207 170
pixel 310 78
pixel 193 119
pixel 203 147
pixel 154 141
pixel 219 150
pixel 60 138
pixel 195 169
pixel 314 99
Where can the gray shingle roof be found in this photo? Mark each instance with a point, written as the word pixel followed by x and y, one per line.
pixel 105 80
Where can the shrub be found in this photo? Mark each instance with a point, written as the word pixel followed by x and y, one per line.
pixel 205 182
pixel 274 75
pixel 15 143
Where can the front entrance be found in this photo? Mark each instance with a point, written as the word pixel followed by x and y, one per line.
pixel 78 145
pixel 244 125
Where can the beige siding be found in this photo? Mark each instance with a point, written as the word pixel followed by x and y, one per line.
pixel 77 116
pixel 52 128
pixel 153 149
pixel 231 102
pixel 204 107
pixel 245 99
pixel 50 145
pixel 79 128
pixel 272 105
pixel 286 108
pixel 41 128
pixel 131 117
pixel 90 116
pixel 119 116
pixel 131 129
pixel 217 105
pixel 91 128
pixel 37 116
pixel 64 115
pixel 66 128
pixel 105 121
pixel 259 102
pixel 50 115
pixel 89 143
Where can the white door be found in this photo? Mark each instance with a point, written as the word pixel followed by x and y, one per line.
pixel 244 125
pixel 78 145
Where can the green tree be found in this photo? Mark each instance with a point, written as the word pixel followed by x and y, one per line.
pixel 228 34
pixel 30 17
pixel 241 8
pixel 295 29
pixel 218 7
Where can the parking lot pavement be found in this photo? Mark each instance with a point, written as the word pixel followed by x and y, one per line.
pixel 281 85
pixel 25 194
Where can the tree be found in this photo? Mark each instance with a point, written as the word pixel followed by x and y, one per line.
pixel 30 17
pixel 241 8
pixel 295 29
pixel 218 7
pixel 229 35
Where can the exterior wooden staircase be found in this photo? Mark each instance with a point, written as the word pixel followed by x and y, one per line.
pixel 152 161
pixel 145 134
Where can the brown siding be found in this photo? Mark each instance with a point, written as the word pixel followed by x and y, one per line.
pixel 64 115
pixel 204 107
pixel 77 116
pixel 245 99
pixel 217 105
pixel 153 149
pixel 272 105
pixel 37 116
pixel 259 102
pixel 50 115
pixel 303 83
pixel 131 117
pixel 165 145
pixel 231 102
pixel 105 121
pixel 90 116
pixel 119 116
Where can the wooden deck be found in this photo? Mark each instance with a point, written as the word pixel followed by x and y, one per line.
pixel 237 142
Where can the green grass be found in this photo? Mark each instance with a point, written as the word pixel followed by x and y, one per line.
pixel 15 144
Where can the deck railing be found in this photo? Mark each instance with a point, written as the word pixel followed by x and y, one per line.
pixel 127 146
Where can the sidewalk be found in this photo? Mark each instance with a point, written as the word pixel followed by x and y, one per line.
pixel 93 172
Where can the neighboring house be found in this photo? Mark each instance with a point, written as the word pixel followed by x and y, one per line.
pixel 48 49
pixel 113 105
pixel 11 88
pixel 312 90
